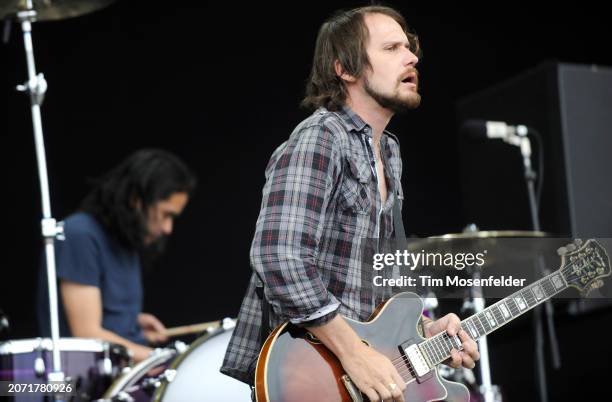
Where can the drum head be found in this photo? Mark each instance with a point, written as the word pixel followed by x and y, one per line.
pixel 197 375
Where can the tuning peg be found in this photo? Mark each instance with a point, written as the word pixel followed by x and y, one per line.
pixel 561 251
pixel 578 242
pixel 571 247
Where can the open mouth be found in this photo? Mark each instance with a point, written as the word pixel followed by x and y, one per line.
pixel 410 79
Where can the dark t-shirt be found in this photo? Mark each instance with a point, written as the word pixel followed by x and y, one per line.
pixel 91 257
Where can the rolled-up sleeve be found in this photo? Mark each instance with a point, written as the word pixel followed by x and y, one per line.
pixel 300 182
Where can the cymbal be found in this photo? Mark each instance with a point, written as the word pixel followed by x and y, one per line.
pixel 499 243
pixel 47 10
pixel 492 234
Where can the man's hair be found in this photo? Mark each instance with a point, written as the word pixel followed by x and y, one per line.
pixel 344 37
pixel 120 199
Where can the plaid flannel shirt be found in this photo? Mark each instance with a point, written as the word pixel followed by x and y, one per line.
pixel 320 202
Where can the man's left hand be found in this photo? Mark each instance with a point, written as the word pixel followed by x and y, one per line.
pixel 452 325
pixel 154 331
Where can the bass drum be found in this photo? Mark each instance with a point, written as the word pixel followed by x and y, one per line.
pixel 196 375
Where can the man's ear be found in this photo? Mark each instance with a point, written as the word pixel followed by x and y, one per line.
pixel 344 76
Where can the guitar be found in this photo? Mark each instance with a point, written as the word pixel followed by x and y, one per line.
pixel 293 366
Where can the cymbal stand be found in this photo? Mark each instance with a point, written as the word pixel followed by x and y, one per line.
pixel 36 86
pixel 476 303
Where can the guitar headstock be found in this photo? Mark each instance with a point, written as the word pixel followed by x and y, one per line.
pixel 584 264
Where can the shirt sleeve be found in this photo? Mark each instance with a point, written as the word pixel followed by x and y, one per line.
pixel 77 257
pixel 300 181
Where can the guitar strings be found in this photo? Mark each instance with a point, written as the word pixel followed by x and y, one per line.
pixel 404 368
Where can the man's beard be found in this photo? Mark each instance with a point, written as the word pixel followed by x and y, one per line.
pixel 394 103
pixel 150 253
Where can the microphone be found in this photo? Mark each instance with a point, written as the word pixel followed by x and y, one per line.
pixel 480 129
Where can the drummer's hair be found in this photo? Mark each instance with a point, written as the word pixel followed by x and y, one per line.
pixel 344 37
pixel 119 200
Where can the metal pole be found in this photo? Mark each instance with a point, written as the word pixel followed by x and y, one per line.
pixel 36 86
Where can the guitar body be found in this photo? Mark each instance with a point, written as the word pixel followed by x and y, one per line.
pixel 295 367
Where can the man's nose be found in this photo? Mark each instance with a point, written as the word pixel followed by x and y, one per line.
pixel 411 59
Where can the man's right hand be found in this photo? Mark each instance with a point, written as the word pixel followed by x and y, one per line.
pixel 372 372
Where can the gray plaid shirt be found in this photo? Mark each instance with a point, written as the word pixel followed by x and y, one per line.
pixel 320 202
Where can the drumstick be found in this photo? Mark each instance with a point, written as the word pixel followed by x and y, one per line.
pixel 191 329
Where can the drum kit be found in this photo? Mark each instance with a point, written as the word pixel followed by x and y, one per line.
pixel 89 369
pixel 103 372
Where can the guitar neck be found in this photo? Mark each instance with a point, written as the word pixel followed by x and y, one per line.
pixel 438 347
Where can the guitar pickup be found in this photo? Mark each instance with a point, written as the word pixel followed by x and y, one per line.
pixel 417 360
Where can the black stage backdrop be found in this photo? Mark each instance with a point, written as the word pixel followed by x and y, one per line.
pixel 219 84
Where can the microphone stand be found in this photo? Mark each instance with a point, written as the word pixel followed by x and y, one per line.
pixel 36 87
pixel 521 140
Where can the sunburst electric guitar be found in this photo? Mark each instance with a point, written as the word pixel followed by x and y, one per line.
pixel 294 367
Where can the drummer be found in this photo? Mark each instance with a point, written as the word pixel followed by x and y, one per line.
pixel 123 221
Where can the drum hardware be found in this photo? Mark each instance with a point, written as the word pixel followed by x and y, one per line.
pixel 107 365
pixel 85 363
pixel 4 322
pixel 39 363
pixel 476 303
pixel 191 374
pixel 26 12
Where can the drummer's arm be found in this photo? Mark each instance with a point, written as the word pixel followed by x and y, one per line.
pixel 83 307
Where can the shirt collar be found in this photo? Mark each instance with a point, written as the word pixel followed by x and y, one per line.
pixel 353 121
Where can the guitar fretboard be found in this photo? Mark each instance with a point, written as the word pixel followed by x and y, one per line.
pixel 437 348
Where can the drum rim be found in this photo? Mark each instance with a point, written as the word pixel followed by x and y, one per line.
pixel 125 379
pixel 20 346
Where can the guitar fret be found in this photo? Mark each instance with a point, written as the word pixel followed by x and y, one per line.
pixel 449 341
pixel 436 349
pixel 490 318
pixel 514 310
pixel 466 327
pixel 425 347
pixel 484 322
pixel 442 347
pixel 479 326
pixel 548 287
pixel 445 342
pixel 528 297
pixel 504 310
pixel 538 292
pixel 558 282
pixel 520 302
pixel 469 329
pixel 474 329
pixel 497 314
pixel 440 343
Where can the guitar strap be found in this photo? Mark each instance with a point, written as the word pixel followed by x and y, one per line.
pixel 398 224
